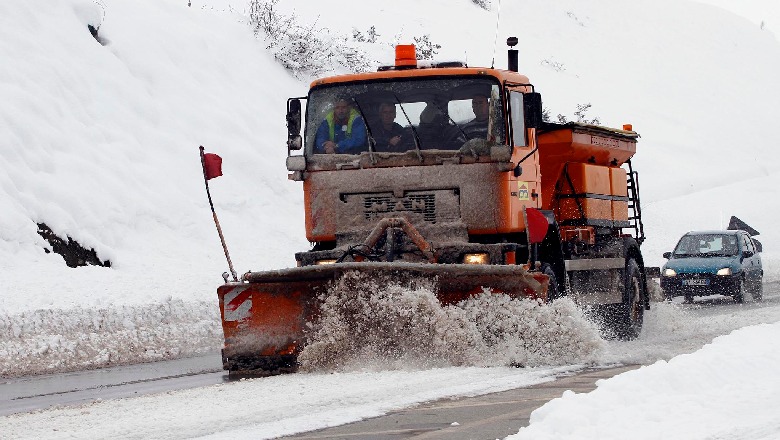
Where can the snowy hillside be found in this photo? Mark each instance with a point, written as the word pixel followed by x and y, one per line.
pixel 100 143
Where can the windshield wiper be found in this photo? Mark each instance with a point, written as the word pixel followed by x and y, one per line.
pixel 371 140
pixel 414 132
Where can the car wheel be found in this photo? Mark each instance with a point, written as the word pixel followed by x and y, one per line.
pixel 758 290
pixel 739 295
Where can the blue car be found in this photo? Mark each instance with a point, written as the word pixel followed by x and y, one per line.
pixel 714 262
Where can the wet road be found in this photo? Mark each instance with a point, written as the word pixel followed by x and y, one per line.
pixel 491 416
pixel 39 392
pixel 506 410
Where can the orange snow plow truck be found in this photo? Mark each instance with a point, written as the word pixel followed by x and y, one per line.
pixel 446 173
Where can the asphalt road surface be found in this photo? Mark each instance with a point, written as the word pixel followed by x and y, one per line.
pixel 484 417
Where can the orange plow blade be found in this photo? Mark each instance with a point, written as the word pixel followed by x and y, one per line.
pixel 264 318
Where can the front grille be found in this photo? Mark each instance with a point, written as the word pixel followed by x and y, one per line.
pixel 363 210
pixel 377 205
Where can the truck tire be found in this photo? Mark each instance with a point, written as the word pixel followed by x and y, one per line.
pixel 624 321
pixel 554 289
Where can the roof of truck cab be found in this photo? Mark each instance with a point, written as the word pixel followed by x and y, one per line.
pixel 501 75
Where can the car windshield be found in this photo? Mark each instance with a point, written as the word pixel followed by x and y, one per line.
pixel 399 115
pixel 707 245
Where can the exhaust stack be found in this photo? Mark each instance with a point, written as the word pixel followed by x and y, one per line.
pixel 512 63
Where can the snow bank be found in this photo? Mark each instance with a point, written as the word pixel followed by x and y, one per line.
pixel 725 390
pixel 80 338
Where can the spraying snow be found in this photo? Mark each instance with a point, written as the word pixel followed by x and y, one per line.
pixel 377 323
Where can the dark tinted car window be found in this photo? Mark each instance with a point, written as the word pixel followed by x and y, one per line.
pixel 705 245
pixel 747 244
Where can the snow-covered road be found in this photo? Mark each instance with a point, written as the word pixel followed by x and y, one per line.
pixel 270 407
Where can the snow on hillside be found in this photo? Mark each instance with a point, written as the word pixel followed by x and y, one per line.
pixel 765 14
pixel 100 142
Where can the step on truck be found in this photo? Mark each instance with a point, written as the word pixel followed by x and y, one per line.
pixel 446 172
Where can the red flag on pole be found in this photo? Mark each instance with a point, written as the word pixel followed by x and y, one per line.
pixel 537 225
pixel 212 165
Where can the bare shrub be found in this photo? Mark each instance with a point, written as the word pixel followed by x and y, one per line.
pixel 484 4
pixel 580 114
pixel 306 51
pixel 426 49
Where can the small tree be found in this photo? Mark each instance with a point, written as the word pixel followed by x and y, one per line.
pixel 370 36
pixel 582 109
pixel 426 50
pixel 484 4
pixel 306 50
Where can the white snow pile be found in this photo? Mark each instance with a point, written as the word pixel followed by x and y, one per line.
pixel 726 390
pixel 375 323
pixel 78 338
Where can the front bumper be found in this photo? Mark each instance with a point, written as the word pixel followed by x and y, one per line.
pixel 700 284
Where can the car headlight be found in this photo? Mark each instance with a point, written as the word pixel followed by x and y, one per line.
pixel 476 259
pixel 327 261
pixel 725 271
pixel 669 272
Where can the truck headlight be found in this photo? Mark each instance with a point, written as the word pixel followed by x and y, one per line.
pixel 327 261
pixel 476 259
pixel 725 271
pixel 669 272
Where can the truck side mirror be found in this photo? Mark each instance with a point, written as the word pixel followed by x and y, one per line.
pixel 532 103
pixel 667 255
pixel 294 141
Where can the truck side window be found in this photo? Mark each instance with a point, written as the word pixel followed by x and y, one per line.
pixel 518 119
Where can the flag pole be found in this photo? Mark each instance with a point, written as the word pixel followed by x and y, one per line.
pixel 216 221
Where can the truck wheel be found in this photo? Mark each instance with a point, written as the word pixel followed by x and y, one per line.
pixel 624 321
pixel 554 290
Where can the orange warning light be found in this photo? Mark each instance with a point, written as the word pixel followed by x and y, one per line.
pixel 405 55
pixel 628 127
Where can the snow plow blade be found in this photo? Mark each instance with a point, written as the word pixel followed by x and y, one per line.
pixel 264 318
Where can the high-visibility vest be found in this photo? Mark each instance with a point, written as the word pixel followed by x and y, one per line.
pixel 332 126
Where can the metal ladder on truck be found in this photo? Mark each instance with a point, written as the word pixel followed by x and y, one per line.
pixel 635 209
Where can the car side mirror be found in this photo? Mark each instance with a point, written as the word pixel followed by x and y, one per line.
pixel 747 254
pixel 667 255
pixel 532 107
pixel 294 141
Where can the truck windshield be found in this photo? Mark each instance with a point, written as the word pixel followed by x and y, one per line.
pixel 399 115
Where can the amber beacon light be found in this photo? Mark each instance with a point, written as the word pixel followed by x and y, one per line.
pixel 405 55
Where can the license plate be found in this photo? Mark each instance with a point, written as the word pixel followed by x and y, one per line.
pixel 696 282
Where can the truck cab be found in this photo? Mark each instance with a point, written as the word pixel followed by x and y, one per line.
pixel 475 176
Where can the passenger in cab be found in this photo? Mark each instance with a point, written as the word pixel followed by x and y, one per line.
pixel 387 133
pixel 342 131
pixel 435 130
pixel 477 128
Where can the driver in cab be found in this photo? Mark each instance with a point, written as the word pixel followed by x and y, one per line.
pixel 342 131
